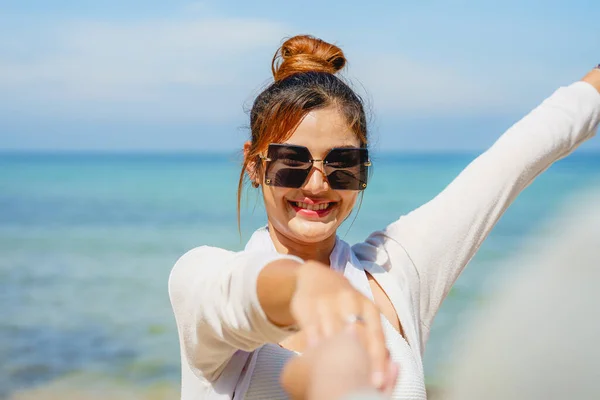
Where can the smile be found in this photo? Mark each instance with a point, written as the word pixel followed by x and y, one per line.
pixel 312 207
pixel 312 211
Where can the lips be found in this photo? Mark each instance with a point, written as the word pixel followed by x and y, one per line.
pixel 313 210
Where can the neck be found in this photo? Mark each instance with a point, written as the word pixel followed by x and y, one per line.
pixel 319 251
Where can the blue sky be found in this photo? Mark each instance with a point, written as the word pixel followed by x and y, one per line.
pixel 152 75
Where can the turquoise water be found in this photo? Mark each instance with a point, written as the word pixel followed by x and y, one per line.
pixel 87 243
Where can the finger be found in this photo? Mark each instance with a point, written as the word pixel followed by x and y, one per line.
pixel 350 312
pixel 294 376
pixel 331 322
pixel 391 377
pixel 376 344
pixel 313 334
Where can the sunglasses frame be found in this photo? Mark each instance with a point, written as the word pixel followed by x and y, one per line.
pixel 312 161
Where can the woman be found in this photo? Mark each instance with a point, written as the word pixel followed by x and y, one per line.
pixel 242 316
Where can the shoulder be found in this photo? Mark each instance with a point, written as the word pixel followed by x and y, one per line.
pixel 200 255
pixel 383 248
pixel 386 259
pixel 195 264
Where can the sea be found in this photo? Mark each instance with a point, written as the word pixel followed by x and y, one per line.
pixel 87 241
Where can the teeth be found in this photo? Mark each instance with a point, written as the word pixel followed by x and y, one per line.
pixel 313 207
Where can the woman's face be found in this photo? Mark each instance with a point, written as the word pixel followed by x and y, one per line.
pixel 292 211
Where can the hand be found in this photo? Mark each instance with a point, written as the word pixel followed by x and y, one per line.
pixel 324 303
pixel 593 78
pixel 336 367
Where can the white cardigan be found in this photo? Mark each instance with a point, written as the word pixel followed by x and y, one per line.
pixel 416 259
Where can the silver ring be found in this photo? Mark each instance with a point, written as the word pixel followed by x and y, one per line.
pixel 355 319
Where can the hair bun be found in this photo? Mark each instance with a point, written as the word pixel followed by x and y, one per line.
pixel 305 53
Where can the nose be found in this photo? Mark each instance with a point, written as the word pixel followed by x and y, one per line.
pixel 316 181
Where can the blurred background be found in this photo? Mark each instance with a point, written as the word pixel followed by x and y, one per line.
pixel 121 124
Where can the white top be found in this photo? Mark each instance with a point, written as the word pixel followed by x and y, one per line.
pixel 266 363
pixel 416 259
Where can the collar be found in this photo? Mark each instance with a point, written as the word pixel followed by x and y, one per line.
pixel 342 259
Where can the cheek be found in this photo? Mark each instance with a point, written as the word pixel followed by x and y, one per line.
pixel 348 200
pixel 273 197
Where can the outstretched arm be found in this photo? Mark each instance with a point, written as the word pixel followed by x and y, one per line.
pixel 440 237
pixel 215 297
pixel 225 301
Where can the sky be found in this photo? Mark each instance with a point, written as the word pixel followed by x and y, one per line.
pixel 133 75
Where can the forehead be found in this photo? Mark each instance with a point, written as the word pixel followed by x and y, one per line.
pixel 323 129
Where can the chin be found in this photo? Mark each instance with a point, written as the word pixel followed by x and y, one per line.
pixel 312 231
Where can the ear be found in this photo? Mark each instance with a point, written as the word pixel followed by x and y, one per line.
pixel 251 167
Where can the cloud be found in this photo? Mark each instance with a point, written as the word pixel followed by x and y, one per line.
pixel 201 66
pixel 404 85
pixel 189 66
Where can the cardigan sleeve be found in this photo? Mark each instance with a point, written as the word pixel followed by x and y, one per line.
pixel 438 239
pixel 216 307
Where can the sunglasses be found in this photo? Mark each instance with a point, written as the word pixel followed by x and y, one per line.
pixel 289 166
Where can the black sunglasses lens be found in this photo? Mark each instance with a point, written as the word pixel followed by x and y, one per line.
pixel 289 166
pixel 347 169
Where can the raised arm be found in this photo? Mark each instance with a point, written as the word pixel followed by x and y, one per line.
pixel 442 236
pixel 215 297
